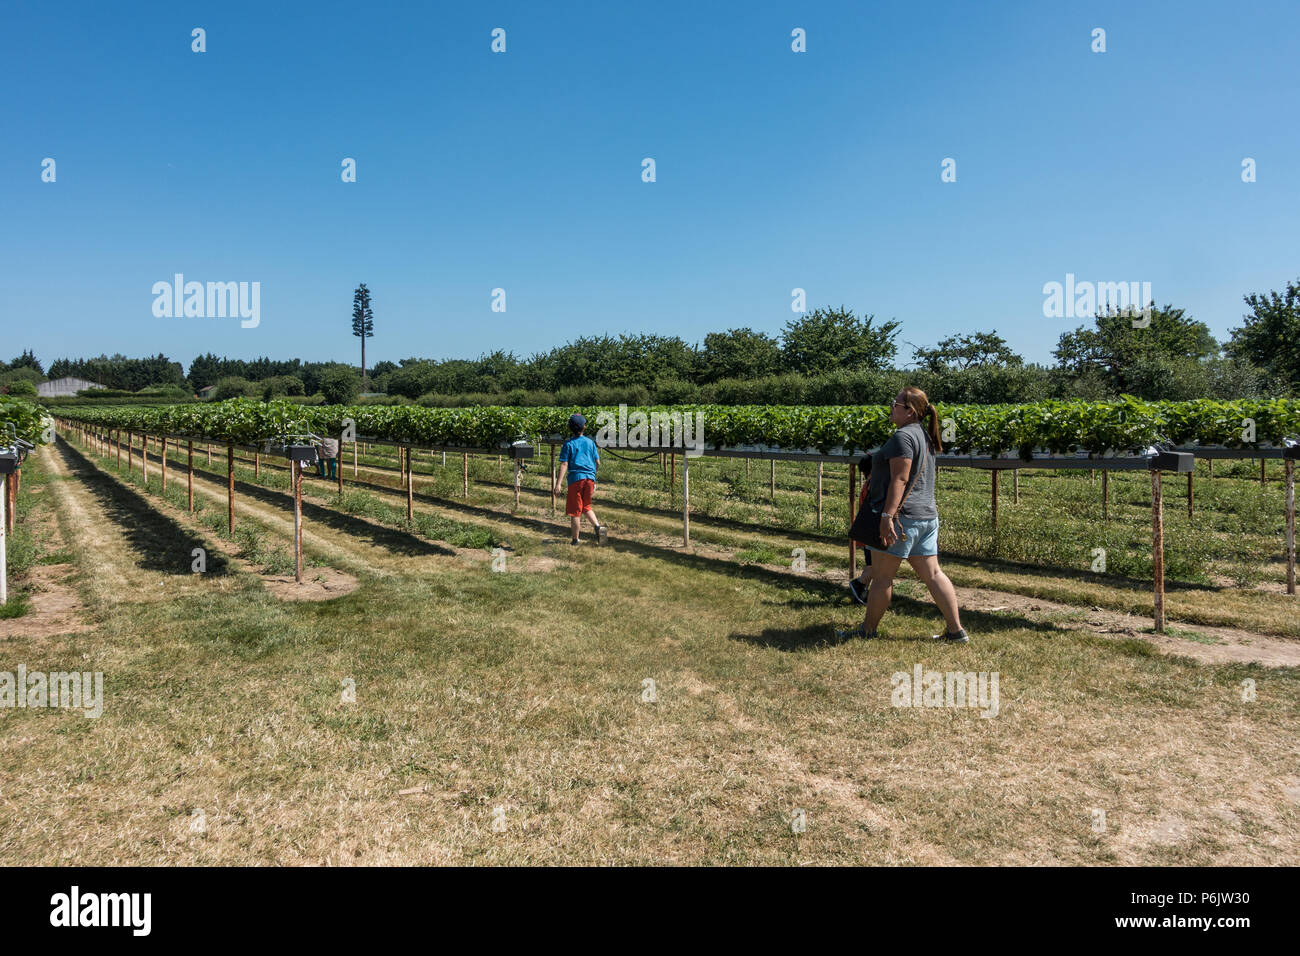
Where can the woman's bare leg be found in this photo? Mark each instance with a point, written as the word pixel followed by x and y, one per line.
pixel 941 589
pixel 883 568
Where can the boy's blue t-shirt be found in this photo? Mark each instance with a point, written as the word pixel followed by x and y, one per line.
pixel 582 455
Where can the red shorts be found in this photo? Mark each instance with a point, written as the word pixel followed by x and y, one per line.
pixel 578 501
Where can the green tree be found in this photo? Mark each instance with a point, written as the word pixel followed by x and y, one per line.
pixel 363 322
pixel 232 386
pixel 1270 337
pixel 739 353
pixel 827 339
pixel 340 385
pixel 957 352
pixel 21 387
pixel 27 360
pixel 1134 353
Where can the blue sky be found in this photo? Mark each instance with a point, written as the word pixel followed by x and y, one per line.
pixel 522 170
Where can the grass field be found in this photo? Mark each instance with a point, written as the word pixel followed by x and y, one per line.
pixel 424 709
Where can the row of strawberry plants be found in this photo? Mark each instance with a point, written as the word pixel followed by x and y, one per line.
pixel 1059 427
pixel 27 420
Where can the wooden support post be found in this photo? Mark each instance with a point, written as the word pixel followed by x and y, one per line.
pixel 189 482
pixel 130 451
pixel 995 473
pixel 8 523
pixel 4 544
pixel 230 487
pixel 209 444
pixel 553 477
pixel 410 487
pixel 119 449
pixel 517 473
pixel 354 458
pixel 1105 494
pixel 162 461
pixel 338 463
pixel 819 494
pixel 144 459
pixel 465 475
pixel 295 468
pixel 257 465
pixel 1211 469
pixel 1189 495
pixel 686 500
pixel 853 500
pixel 1261 470
pixel 672 478
pixel 771 488
pixel 1015 486
pixel 1158 550
pixel 1289 467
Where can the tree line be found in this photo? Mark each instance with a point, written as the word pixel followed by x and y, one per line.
pixel 827 356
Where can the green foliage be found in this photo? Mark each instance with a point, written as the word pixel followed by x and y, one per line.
pixel 1060 427
pixel 28 361
pixel 27 418
pixel 234 387
pixel 826 339
pixel 281 385
pixel 1127 350
pixel 1270 337
pixel 739 353
pixel 958 352
pixel 340 386
pixel 118 371
pixel 22 388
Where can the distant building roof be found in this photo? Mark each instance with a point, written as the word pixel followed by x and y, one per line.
pixel 206 390
pixel 64 386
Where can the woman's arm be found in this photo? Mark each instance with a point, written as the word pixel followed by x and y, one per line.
pixel 898 472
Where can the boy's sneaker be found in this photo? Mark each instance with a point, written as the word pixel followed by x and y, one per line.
pixel 574 541
pixel 602 535
pixel 858 590
pixel 859 631
pixel 960 637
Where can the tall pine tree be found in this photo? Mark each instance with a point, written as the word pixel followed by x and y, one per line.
pixel 363 324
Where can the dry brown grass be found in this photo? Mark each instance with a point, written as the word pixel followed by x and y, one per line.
pixel 477 691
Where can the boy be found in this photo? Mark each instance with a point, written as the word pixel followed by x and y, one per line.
pixel 580 458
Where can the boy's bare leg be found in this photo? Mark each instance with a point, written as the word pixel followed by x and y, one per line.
pixel 592 516
pixel 575 525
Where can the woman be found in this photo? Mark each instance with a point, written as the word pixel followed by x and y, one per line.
pixel 901 491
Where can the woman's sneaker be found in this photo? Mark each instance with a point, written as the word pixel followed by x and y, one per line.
pixel 960 637
pixel 858 590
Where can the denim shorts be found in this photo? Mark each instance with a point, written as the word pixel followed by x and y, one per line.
pixel 920 538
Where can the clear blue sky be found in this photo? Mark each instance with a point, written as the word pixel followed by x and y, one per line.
pixel 522 170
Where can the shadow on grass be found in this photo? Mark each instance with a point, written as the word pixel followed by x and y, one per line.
pixel 377 535
pixel 987 562
pixel 160 543
pixel 823 634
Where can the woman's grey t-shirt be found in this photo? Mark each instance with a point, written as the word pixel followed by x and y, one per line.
pixel 910 441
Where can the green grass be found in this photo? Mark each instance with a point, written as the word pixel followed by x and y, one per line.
pixel 524 691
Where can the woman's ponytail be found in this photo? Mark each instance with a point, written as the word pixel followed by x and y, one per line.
pixel 926 413
pixel 933 428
